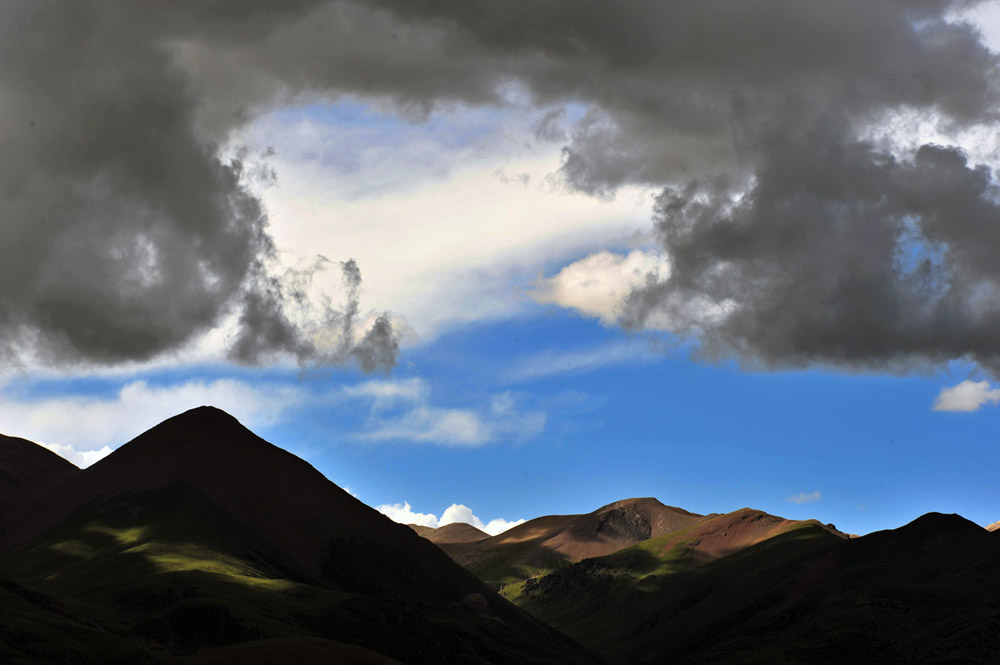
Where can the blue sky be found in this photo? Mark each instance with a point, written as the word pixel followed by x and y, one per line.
pixel 864 451
pixel 519 390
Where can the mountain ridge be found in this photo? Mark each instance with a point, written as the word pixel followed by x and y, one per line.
pixel 198 534
pixel 26 467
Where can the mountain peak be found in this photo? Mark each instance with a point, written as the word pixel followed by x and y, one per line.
pixel 202 416
pixel 941 522
pixel 206 432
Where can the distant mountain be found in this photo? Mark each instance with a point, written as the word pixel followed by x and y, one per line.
pixel 450 537
pixel 549 543
pixel 26 467
pixel 200 538
pixel 993 527
pixel 923 593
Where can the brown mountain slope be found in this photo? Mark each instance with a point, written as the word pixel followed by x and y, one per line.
pixel 452 538
pixel 198 534
pixel 548 543
pixel 456 532
pixel 27 466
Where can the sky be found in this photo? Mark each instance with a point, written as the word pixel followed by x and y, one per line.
pixel 485 261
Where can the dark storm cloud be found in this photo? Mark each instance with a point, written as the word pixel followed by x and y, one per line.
pixel 125 234
pixel 839 254
pixel 794 239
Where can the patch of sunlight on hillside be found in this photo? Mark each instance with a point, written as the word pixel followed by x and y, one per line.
pixel 184 557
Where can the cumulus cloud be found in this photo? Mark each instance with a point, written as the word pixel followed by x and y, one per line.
pixel 402 513
pixel 402 410
pixel 598 285
pixel 84 429
pixel 967 396
pixel 805 497
pixel 456 512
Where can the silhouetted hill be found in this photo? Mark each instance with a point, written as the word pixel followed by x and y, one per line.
pixel 200 535
pixel 923 593
pixel 27 466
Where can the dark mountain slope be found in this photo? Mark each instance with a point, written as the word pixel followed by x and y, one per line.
pixel 199 534
pixel 34 628
pixel 924 593
pixel 27 466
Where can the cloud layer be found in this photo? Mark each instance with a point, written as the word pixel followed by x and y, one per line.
pixel 798 207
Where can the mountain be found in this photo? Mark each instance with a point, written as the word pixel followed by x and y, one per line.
pixel 452 538
pixel 549 543
pixel 456 532
pixel 27 466
pixel 923 593
pixel 200 539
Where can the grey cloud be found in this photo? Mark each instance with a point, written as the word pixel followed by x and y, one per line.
pixel 319 335
pixel 839 254
pixel 794 240
pixel 126 235
pixel 675 85
pixel 549 128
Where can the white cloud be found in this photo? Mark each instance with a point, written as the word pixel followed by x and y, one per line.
pixel 967 396
pixel 454 513
pixel 498 526
pixel 387 393
pixel 403 514
pixel 805 497
pixel 597 284
pixel 419 420
pixel 428 424
pixel 555 362
pixel 84 429
pixel 441 231
pixel 458 512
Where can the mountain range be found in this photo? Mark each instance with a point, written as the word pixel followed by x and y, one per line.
pixel 199 542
